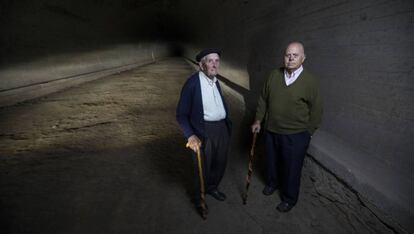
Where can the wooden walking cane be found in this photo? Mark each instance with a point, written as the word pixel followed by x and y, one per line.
pixel 202 192
pixel 250 169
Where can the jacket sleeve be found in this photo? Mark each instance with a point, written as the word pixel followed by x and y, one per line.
pixel 183 111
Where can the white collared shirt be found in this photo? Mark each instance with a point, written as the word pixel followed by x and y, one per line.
pixel 212 103
pixel 290 78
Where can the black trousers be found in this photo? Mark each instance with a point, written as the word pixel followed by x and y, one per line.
pixel 214 151
pixel 284 161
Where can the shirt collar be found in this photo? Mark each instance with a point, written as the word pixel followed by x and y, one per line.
pixel 210 81
pixel 294 74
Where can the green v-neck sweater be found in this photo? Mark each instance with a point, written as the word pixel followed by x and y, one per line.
pixel 290 109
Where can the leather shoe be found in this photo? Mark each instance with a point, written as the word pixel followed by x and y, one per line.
pixel 217 195
pixel 284 207
pixel 268 190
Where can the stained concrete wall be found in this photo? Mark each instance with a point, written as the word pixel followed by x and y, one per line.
pixel 46 45
pixel 363 53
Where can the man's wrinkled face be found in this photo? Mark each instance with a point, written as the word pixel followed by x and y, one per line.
pixel 210 64
pixel 294 56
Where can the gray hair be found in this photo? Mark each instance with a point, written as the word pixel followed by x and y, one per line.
pixel 203 59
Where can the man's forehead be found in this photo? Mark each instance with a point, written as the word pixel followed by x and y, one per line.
pixel 212 56
pixel 294 48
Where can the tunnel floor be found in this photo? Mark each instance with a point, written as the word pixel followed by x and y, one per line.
pixel 107 157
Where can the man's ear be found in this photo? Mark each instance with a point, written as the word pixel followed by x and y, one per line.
pixel 200 64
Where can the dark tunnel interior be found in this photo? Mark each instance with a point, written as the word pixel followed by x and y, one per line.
pixel 362 51
pixel 33 30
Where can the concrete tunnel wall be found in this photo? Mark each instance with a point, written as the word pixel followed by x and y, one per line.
pixel 361 50
pixel 47 46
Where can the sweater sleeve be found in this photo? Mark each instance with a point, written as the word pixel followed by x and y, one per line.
pixel 262 102
pixel 315 108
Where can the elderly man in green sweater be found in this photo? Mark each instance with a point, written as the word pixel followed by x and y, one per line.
pixel 291 104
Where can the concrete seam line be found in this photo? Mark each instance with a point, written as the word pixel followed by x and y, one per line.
pixel 72 76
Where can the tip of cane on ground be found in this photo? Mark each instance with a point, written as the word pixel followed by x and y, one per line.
pixel 244 197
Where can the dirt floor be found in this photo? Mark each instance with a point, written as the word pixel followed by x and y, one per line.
pixel 108 157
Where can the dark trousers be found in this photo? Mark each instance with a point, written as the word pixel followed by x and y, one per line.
pixel 213 156
pixel 284 161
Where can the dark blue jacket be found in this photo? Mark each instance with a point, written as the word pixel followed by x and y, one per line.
pixel 190 113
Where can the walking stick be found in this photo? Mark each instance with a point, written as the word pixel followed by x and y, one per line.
pixel 250 170
pixel 202 192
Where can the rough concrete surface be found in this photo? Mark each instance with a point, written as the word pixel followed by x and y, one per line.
pixel 107 157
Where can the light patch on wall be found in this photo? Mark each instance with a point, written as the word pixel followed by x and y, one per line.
pixel 237 75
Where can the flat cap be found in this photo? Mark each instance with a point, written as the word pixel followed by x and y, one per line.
pixel 206 52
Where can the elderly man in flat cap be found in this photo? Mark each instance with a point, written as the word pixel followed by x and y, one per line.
pixel 203 117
